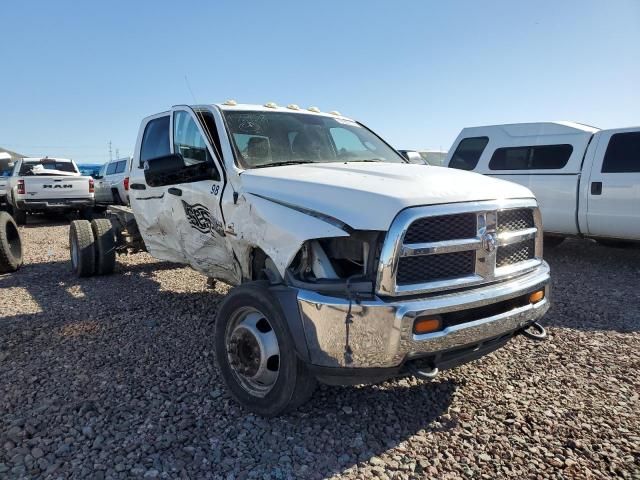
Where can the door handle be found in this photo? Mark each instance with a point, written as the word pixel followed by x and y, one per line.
pixel 138 186
pixel 596 188
pixel 175 191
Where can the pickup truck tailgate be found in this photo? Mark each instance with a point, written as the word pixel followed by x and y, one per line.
pixel 44 187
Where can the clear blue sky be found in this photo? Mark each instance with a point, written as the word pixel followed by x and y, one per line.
pixel 74 75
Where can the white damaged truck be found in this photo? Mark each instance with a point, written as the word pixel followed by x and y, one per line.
pixel 350 264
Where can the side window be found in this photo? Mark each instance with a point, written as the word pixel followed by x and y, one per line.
pixel 120 166
pixel 111 169
pixel 155 140
pixel 623 153
pixel 468 153
pixel 103 170
pixel 542 157
pixel 189 142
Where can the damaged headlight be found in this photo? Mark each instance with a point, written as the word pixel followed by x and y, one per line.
pixel 331 263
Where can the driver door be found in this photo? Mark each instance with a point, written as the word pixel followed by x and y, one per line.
pixel 196 205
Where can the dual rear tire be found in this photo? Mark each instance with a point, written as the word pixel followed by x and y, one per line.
pixel 93 247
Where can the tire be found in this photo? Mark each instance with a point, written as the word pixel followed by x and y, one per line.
pixel 116 198
pixel 82 248
pixel 10 244
pixel 552 241
pixel 20 216
pixel 293 384
pixel 105 245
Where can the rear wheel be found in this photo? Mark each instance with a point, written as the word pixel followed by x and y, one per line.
pixel 82 246
pixel 116 198
pixel 10 244
pixel 105 243
pixel 256 354
pixel 20 216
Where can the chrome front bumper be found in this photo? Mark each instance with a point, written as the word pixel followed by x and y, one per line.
pixel 381 333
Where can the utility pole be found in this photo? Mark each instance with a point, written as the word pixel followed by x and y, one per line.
pixel 110 153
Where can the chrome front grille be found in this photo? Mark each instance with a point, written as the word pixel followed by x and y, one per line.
pixel 439 267
pixel 515 219
pixel 443 247
pixel 438 229
pixel 516 253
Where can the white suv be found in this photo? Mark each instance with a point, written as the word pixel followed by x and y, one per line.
pixel 112 183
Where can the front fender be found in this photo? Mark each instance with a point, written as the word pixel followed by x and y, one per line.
pixel 277 229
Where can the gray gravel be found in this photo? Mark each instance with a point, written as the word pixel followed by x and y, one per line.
pixel 113 377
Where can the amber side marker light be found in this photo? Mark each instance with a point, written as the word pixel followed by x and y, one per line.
pixel 535 297
pixel 427 325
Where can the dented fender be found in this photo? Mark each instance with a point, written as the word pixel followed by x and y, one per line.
pixel 276 228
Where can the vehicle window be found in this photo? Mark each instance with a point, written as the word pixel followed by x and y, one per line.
pixel 542 157
pixel 187 140
pixel 121 166
pixel 155 140
pixel 468 153
pixel 262 139
pixel 623 153
pixel 103 170
pixel 111 169
pixel 209 125
pixel 46 164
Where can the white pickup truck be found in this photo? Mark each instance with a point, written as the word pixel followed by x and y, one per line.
pixel 350 264
pixel 47 184
pixel 586 180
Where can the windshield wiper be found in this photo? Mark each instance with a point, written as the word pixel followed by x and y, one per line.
pixel 371 160
pixel 279 164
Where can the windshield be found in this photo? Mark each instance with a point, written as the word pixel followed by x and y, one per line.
pixel 89 170
pixel 46 164
pixel 263 139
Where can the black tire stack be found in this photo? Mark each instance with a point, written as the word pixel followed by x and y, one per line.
pixel 10 244
pixel 93 247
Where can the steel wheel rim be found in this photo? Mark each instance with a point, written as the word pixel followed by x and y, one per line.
pixel 253 351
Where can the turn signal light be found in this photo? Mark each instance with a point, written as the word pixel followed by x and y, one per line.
pixel 126 183
pixel 427 325
pixel 535 297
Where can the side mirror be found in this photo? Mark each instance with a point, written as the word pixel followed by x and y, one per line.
pixel 412 156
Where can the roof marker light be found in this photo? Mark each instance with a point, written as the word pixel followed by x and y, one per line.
pixel 335 112
pixel 314 109
pixel 231 103
pixel 271 105
pixel 293 106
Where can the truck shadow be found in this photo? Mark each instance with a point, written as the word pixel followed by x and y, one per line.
pixel 133 360
pixel 594 287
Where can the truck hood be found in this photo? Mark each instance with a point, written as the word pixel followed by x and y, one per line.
pixel 368 196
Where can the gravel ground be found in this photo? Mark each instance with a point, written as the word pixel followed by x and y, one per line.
pixel 113 377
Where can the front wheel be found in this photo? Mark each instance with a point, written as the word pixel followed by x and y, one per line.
pixel 256 355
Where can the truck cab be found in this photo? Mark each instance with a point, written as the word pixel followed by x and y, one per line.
pixel 350 265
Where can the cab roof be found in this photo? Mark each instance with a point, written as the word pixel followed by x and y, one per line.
pixel 272 107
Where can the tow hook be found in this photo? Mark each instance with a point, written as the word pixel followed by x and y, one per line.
pixel 534 331
pixel 422 374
